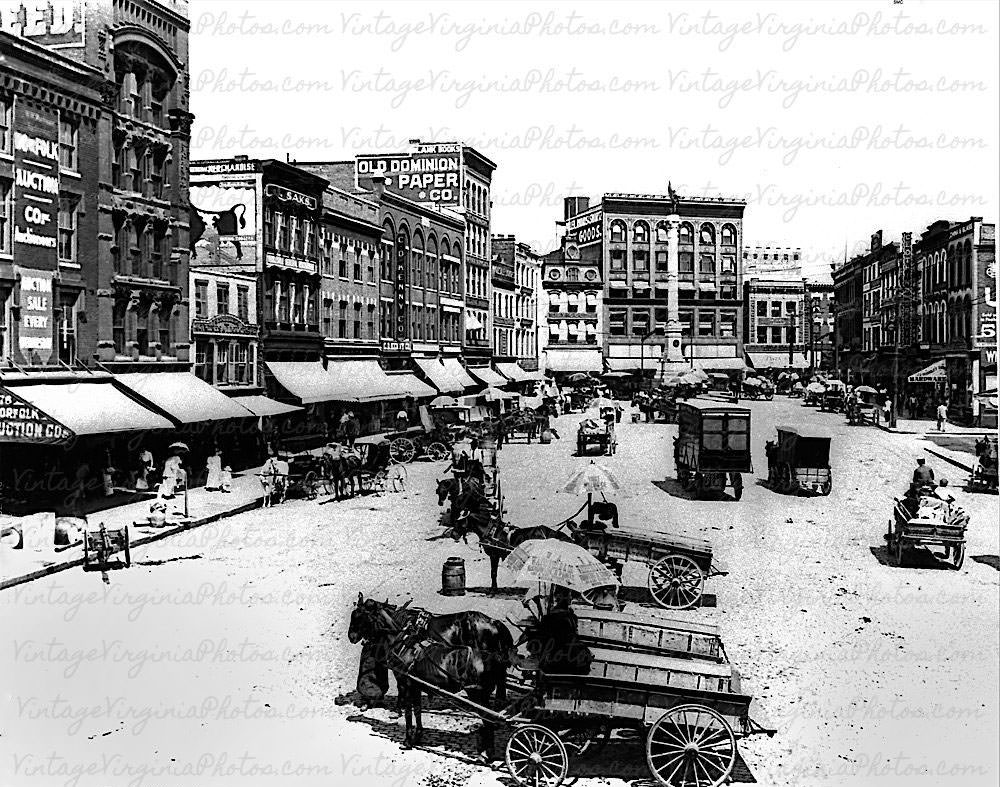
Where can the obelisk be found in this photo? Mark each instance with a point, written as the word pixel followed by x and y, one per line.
pixel 672 362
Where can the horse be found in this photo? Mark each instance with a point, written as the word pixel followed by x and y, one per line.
pixel 458 651
pixel 467 498
pixel 986 452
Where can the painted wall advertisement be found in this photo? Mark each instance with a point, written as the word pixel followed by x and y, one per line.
pixel 402 276
pixel 56 24
pixel 36 187
pixel 422 177
pixel 986 331
pixel 21 422
pixel 34 329
pixel 226 216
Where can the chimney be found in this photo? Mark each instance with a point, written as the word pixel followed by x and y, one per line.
pixel 574 205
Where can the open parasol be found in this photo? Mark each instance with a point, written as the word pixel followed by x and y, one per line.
pixel 444 401
pixel 558 563
pixel 179 447
pixel 590 479
pixel 865 389
pixel 816 388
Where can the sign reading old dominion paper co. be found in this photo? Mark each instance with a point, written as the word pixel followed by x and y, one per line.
pixel 36 227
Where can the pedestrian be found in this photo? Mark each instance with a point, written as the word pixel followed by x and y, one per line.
pixel 173 476
pixel 146 465
pixel 351 430
pixel 942 416
pixel 402 421
pixel 226 484
pixel 501 433
pixel 887 410
pixel 213 466
pixel 943 493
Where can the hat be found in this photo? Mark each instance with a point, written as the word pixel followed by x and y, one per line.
pixel 920 460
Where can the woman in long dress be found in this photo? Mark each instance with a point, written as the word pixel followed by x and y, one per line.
pixel 213 481
pixel 173 474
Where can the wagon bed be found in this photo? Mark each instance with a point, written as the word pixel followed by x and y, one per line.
pixel 643 632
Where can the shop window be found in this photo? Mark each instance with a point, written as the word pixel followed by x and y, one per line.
pixel 761 334
pixel 222 363
pixel 241 367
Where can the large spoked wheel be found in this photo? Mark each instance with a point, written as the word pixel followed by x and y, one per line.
pixel 691 745
pixel 536 756
pixel 958 556
pixel 900 552
pixel 402 450
pixel 675 581
pixel 437 451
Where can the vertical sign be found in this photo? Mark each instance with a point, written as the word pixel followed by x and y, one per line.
pixel 402 327
pixel 36 187
pixel 34 331
pixel 905 306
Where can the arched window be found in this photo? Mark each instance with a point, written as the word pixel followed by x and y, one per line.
pixel 686 234
pixel 968 262
pixel 728 235
pixel 640 232
pixel 707 235
pixel 388 237
pixel 662 232
pixel 433 264
pixel 617 231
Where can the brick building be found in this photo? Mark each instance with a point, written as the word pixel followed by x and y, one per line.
pixel 776 324
pixel 516 279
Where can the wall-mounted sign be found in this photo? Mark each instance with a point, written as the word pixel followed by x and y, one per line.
pixel 21 422
pixel 287 195
pixel 394 346
pixel 986 333
pixel 56 24
pixel 224 219
pixel 34 330
pixel 402 264
pixel 422 177
pixel 590 233
pixel 36 186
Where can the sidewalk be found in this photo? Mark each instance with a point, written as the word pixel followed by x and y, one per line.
pixel 929 426
pixel 23 565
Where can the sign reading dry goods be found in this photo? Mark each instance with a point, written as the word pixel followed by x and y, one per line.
pixel 36 187
pixel 21 422
pixel 421 177
pixel 56 24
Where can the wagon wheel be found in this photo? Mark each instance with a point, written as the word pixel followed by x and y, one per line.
pixel 958 555
pixel 676 581
pixel 899 551
pixel 826 488
pixel 402 450
pixel 436 451
pixel 395 477
pixel 310 484
pixel 536 756
pixel 128 551
pixel 691 745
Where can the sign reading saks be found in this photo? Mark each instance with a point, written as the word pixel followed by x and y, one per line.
pixel 36 187
pixel 34 330
pixel 21 422
pixel 56 24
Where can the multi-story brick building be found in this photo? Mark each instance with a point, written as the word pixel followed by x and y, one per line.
pixel 516 277
pixel 635 235
pixel 774 263
pixel 820 324
pixel 224 328
pixel 847 315
pixel 776 334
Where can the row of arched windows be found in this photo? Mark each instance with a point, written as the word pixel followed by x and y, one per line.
pixel 685 233
pixel 427 265
pixel 945 321
pixel 948 268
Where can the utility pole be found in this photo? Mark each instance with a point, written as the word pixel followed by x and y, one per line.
pixel 791 341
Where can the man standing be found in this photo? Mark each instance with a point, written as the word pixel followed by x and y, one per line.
pixel 942 416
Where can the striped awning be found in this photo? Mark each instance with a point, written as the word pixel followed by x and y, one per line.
pixel 935 373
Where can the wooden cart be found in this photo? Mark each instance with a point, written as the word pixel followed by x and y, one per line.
pixel 595 432
pixel 799 461
pixel 678 566
pixel 105 547
pixel 712 448
pixel 927 521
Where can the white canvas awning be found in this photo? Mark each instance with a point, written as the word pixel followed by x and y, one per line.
pixel 934 373
pixel 574 360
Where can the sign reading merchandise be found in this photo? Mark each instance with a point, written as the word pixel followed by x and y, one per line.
pixel 36 187
pixel 34 329
pixel 21 422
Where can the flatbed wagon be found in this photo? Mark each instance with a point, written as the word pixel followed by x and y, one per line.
pixel 642 632
pixel 678 565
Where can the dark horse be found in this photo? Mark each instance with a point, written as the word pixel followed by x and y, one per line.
pixel 463 651
pixel 472 512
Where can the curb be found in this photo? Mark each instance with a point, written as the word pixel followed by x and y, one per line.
pixel 55 568
pixel 949 460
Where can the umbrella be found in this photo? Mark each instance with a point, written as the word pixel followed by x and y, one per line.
pixel 816 388
pixel 601 402
pixel 616 374
pixel 866 389
pixel 179 447
pixel 558 563
pixel 444 401
pixel 591 478
pixel 577 377
pixel 752 382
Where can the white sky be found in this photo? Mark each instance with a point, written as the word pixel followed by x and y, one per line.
pixel 832 119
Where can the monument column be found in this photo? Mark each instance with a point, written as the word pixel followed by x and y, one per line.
pixel 673 358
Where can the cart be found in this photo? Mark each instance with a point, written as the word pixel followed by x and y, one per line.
pixel 308 475
pixel 105 547
pixel 832 399
pixel 595 432
pixel 861 407
pixel 712 448
pixel 799 461
pixel 923 519
pixel 813 394
pixel 984 473
pixel 378 473
pixel 678 565
pixel 757 388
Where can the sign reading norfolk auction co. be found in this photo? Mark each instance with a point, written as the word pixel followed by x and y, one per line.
pixel 422 177
pixel 21 422
pixel 36 187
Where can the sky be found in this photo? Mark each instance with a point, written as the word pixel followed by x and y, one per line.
pixel 832 120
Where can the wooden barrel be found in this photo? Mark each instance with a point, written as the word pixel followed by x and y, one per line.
pixel 453 577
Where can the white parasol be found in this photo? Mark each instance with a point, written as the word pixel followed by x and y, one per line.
pixel 558 563
pixel 591 478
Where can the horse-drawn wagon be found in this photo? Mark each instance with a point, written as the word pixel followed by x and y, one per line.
pixel 799 460
pixel 595 432
pixel 984 473
pixel 833 397
pixel 757 388
pixel 924 518
pixel 861 407
pixel 712 448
